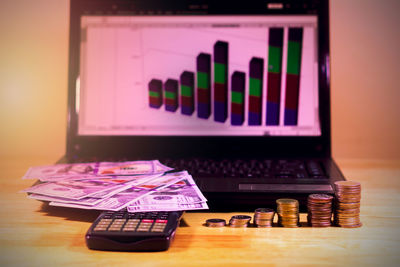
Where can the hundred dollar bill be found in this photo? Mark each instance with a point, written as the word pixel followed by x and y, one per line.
pixel 169 207
pixel 88 201
pixel 132 168
pixel 126 182
pixel 80 171
pixel 78 189
pixel 182 192
pixel 133 193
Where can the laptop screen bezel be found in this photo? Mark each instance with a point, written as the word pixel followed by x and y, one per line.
pixel 144 147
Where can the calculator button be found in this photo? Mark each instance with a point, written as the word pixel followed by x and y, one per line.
pixel 143 229
pixel 129 229
pixel 103 223
pixel 114 229
pixel 118 223
pixel 132 223
pixel 100 229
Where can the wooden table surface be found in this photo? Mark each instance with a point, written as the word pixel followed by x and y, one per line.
pixel 33 234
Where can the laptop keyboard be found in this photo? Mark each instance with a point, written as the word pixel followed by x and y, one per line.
pixel 250 168
pixel 228 168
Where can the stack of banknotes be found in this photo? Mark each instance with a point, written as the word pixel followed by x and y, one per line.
pixel 138 186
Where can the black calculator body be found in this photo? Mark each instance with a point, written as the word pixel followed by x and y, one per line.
pixel 138 231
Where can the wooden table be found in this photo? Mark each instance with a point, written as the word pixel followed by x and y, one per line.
pixel 32 234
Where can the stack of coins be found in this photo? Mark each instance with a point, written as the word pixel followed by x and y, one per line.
pixel 215 223
pixel 347 204
pixel 239 221
pixel 319 208
pixel 263 217
pixel 288 212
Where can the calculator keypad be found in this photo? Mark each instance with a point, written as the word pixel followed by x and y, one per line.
pixel 154 222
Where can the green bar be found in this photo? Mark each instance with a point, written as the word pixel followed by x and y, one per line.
pixel 255 87
pixel 237 97
pixel 219 73
pixel 186 90
pixel 274 59
pixel 170 95
pixel 203 80
pixel 155 94
pixel 293 61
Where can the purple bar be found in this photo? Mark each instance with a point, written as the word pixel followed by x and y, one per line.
pixel 275 37
pixel 171 86
pixel 256 68
pixel 187 78
pixel 296 34
pixel 238 81
pixel 203 62
pixel 221 52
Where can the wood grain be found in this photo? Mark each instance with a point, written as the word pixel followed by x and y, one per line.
pixel 34 234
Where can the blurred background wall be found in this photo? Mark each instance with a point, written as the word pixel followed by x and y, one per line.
pixel 365 96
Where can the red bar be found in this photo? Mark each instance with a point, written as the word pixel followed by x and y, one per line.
pixel 274 87
pixel 220 92
pixel 255 104
pixel 203 96
pixel 155 100
pixel 292 91
pixel 187 101
pixel 170 102
pixel 237 108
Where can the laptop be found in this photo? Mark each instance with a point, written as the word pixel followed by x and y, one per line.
pixel 237 93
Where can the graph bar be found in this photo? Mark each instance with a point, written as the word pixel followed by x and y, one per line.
pixel 237 97
pixel 275 45
pixel 293 75
pixel 220 81
pixel 256 70
pixel 187 93
pixel 171 95
pixel 155 93
pixel 203 66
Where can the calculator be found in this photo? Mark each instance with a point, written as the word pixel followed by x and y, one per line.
pixel 133 231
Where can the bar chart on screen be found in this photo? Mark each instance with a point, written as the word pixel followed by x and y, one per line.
pixel 186 75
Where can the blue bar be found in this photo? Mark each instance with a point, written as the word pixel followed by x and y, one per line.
pixel 236 119
pixel 272 113
pixel 290 117
pixel 254 118
pixel 203 110
pixel 220 112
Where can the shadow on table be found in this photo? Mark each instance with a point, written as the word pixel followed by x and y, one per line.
pixel 71 214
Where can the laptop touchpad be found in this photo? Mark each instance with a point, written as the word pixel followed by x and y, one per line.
pixel 286 187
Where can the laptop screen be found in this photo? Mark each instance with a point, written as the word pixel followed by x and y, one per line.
pixel 198 76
